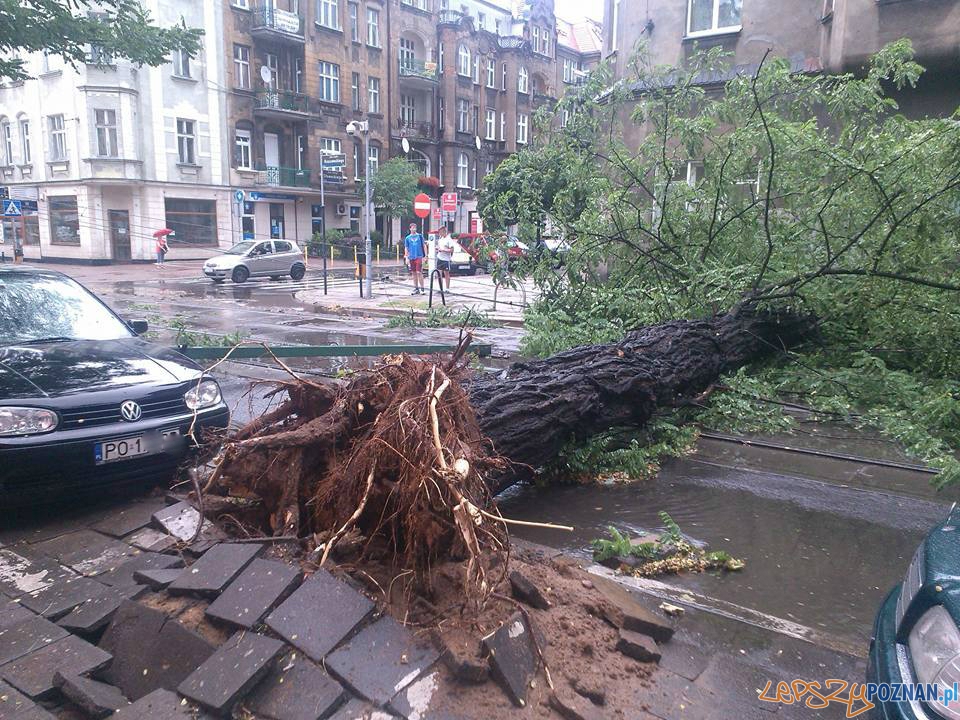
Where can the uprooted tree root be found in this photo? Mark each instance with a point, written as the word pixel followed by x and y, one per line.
pixel 395 455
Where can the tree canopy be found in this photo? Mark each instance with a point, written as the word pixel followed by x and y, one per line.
pixel 797 190
pixel 393 187
pixel 120 28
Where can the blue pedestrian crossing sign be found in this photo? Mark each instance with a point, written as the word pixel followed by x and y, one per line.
pixel 11 208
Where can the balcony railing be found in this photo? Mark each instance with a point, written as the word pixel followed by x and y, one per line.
pixel 418 69
pixel 281 21
pixel 282 101
pixel 511 42
pixel 282 176
pixel 451 16
pixel 421 130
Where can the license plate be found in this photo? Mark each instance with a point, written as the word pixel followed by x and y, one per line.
pixel 110 451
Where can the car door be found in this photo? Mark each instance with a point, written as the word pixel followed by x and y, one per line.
pixel 283 255
pixel 260 257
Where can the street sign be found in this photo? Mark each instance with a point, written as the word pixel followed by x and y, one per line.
pixel 421 205
pixel 448 202
pixel 332 161
pixel 11 208
pixel 437 214
pixel 239 195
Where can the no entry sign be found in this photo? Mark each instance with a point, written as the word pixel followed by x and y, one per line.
pixel 448 202
pixel 421 205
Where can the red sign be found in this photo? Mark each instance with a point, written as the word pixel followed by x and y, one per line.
pixel 448 202
pixel 474 224
pixel 421 205
pixel 437 214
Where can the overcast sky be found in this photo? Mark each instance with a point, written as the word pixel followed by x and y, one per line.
pixel 576 10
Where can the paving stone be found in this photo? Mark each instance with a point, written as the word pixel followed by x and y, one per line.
pixel 95 699
pixel 359 710
pixel 12 612
pixel 94 614
pixel 295 689
pixel 513 657
pixel 129 519
pixel 33 673
pixel 181 519
pixel 152 650
pixel 26 636
pixel 56 600
pixel 381 660
pixel 156 579
pixel 35 712
pixel 12 701
pixel 227 675
pixel 215 570
pixel 21 573
pixel 414 702
pixel 158 705
pixel 624 610
pixel 86 551
pixel 322 595
pixel 151 540
pixel 123 574
pixel 637 646
pixel 261 585
pixel 525 591
pixel 570 705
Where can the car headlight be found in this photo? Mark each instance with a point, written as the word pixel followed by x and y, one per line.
pixel 935 651
pixel 26 421
pixel 203 395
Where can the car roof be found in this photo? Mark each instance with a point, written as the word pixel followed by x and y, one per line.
pixel 29 270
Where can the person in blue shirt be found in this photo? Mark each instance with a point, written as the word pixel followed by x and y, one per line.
pixel 414 250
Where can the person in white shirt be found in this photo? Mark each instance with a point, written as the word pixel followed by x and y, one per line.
pixel 445 248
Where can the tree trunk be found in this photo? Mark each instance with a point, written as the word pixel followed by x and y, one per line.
pixel 533 409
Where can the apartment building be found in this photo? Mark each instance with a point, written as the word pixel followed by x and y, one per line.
pixel 104 154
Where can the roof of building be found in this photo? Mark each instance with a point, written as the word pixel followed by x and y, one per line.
pixel 584 37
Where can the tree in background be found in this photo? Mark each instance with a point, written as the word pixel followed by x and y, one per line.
pixel 777 189
pixel 392 191
pixel 119 28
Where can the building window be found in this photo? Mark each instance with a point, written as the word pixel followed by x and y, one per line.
pixel 491 73
pixel 481 21
pixel 7 133
pixel 272 63
pixel 441 114
pixel 475 127
pixel 302 152
pixel 407 54
pixel 193 221
pixel 242 4
pixel 297 72
pixel 522 126
pixel 503 126
pixel 564 118
pixel 503 76
pixel 572 70
pixel 440 168
pixel 64 220
pixel 373 162
pixel 181 63
pixel 25 141
pixel 473 181
pixel 105 122
pixel 241 67
pixel 242 143
pixel 328 13
pixel 463 171
pixel 355 91
pixel 58 138
pixel 329 82
pixel 523 80
pixel 356 161
pixel 489 168
pixel 491 124
pixel 373 94
pixel 463 61
pixel 476 69
pixel 330 146
pixel 535 44
pixel 712 16
pixel 408 110
pixel 354 22
pixel 186 142
pixel 463 113
pixel 373 27
pixel 614 25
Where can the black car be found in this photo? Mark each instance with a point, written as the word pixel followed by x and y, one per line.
pixel 86 404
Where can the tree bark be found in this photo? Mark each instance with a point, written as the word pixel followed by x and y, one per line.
pixel 533 409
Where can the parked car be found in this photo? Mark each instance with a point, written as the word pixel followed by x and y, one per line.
pixel 85 403
pixel 916 638
pixel 462 262
pixel 257 258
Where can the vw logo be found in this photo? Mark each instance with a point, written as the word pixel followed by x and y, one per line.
pixel 130 411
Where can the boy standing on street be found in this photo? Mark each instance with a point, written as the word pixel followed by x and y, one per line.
pixel 445 248
pixel 414 250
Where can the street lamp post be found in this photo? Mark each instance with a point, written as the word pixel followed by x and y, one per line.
pixel 364 128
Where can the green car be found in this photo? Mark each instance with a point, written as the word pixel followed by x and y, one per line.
pixel 916 639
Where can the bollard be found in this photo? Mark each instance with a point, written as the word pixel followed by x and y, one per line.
pixel 378 254
pixel 331 254
pixel 306 255
pixel 354 254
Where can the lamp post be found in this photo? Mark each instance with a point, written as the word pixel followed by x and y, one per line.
pixel 363 128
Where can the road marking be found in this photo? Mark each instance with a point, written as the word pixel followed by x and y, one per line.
pixel 680 596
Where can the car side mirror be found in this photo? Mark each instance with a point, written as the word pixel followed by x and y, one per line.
pixel 138 326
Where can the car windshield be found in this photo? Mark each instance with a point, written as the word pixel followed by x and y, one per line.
pixel 36 308
pixel 240 248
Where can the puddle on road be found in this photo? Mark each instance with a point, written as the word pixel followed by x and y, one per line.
pixel 814 562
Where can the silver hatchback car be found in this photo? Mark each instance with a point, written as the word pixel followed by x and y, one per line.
pixel 257 258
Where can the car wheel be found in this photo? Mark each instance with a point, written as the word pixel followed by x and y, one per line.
pixel 240 274
pixel 297 272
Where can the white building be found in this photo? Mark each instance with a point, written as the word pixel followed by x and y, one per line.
pixel 107 153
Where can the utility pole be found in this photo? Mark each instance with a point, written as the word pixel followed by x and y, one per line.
pixel 363 128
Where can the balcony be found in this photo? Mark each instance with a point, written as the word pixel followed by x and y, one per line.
pixel 451 16
pixel 281 103
pixel 415 131
pixel 282 176
pixel 418 72
pixel 276 24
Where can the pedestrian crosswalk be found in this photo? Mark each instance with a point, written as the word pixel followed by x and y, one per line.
pixel 286 286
